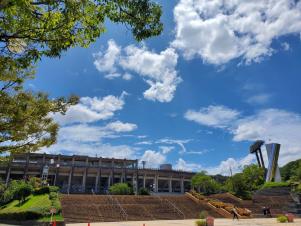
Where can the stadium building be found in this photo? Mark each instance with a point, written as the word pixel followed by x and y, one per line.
pixel 84 174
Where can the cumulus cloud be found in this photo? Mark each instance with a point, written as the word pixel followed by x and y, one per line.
pixel 106 61
pixel 166 149
pixel 91 109
pixel 213 115
pixel 219 31
pixel 231 164
pixel 119 126
pixel 86 139
pixel 185 166
pixel 157 69
pixel 271 125
pixel 153 158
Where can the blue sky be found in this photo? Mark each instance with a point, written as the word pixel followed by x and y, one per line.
pixel 220 76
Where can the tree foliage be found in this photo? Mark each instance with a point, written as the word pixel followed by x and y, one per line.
pixel 121 189
pixel 205 184
pixel 30 29
pixel 291 170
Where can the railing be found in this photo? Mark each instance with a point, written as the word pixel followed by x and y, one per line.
pixel 116 203
pixel 176 208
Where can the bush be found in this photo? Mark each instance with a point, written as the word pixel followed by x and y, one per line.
pixel 143 191
pixel 22 191
pixel 52 195
pixel 274 184
pixel 21 216
pixel 120 189
pixel 203 214
pixel 200 223
pixel 41 191
pixel 282 219
pixel 53 189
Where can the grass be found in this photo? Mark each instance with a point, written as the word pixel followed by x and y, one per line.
pixel 33 201
pixel 274 184
pixel 57 217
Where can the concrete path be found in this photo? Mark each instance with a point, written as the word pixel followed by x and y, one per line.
pixel 218 222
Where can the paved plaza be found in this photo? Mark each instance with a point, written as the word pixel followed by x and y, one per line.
pixel 218 222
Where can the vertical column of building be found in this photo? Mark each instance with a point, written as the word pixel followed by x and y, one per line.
pixel 98 177
pixel 170 184
pixel 8 169
pixel 70 175
pixel 182 185
pixel 137 176
pixel 156 183
pixel 26 165
pixel 43 164
pixel 85 175
pixel 57 169
pixel 144 180
pixel 112 172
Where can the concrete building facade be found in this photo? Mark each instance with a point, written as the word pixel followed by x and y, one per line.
pixel 84 174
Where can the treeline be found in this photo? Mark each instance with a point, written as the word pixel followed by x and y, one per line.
pixel 251 179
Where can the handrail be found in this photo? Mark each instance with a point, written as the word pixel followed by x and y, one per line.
pixel 175 208
pixel 122 211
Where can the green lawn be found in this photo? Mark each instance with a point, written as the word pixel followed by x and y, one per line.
pixel 32 202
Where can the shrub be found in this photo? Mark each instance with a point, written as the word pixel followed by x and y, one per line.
pixel 200 223
pixel 274 184
pixel 52 195
pixel 143 191
pixel 203 214
pixel 53 189
pixel 42 190
pixel 20 216
pixel 282 219
pixel 22 191
pixel 120 189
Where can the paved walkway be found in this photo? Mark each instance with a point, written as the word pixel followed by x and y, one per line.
pixel 218 222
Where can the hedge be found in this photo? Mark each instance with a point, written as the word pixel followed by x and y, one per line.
pixel 21 216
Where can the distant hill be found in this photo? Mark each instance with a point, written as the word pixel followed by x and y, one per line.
pixel 289 169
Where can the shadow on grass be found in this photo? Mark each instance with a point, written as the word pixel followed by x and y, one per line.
pixel 19 204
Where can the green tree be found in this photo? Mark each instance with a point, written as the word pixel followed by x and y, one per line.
pixel 22 191
pixel 238 186
pixel 25 120
pixel 253 176
pixel 204 183
pixel 30 29
pixel 120 189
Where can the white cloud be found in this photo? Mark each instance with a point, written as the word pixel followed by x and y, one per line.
pixel 144 143
pixel 127 76
pixel 85 139
pixel 183 165
pixel 91 149
pixel 214 116
pixel 259 99
pixel 271 125
pixel 106 62
pixel 121 127
pixel 153 158
pixel 285 46
pixel 91 109
pixel 236 165
pixel 166 149
pixel 158 69
pixel 179 142
pixel 219 31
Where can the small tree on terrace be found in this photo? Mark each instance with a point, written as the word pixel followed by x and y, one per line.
pixel 22 191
